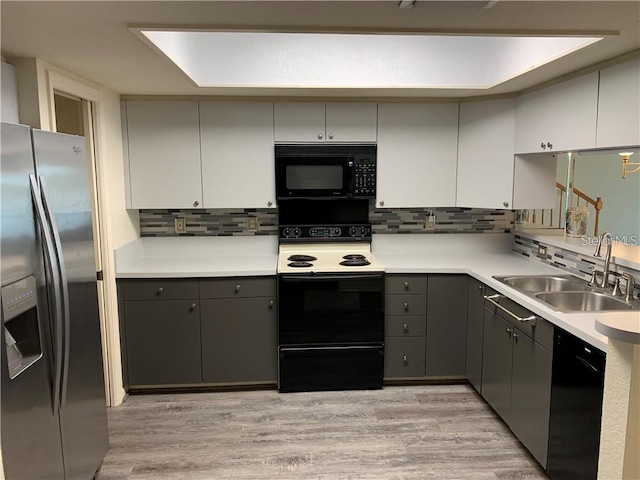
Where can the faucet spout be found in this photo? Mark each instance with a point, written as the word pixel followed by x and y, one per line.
pixel 607 259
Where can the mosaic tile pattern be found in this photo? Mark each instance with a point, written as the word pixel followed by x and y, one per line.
pixel 227 222
pixel 566 260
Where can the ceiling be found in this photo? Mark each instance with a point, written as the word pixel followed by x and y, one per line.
pixel 93 40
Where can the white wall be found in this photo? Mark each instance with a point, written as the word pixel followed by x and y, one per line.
pixel 9 95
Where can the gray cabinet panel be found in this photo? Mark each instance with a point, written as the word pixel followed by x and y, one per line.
pixel 405 325
pixel 405 304
pixel 446 325
pixel 239 340
pixel 159 289
pixel 475 311
pixel 531 395
pixel 404 357
pixel 497 363
pixel 163 342
pixel 238 287
pixel 541 333
pixel 407 284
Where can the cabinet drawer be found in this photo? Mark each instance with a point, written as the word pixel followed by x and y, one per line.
pixel 160 289
pixel 238 287
pixel 404 357
pixel 405 304
pixel 405 325
pixel 410 284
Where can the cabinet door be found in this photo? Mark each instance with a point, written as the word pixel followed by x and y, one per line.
pixel 351 122
pixel 299 122
pixel 164 154
pixel 475 311
pixel 163 342
pixel 618 106
pixel 237 154
pixel 485 154
pixel 496 363
pixel 446 325
pixel 561 117
pixel 531 395
pixel 239 340
pixel 417 155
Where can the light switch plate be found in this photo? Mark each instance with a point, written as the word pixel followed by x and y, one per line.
pixel 181 225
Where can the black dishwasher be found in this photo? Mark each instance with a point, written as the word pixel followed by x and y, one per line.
pixel 576 408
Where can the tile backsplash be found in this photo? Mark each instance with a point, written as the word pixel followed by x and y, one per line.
pixel 228 222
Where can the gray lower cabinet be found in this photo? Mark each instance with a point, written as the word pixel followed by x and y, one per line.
pixel 404 357
pixel 516 375
pixel 475 314
pixel 446 325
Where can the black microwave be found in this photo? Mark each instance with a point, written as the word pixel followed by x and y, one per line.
pixel 325 171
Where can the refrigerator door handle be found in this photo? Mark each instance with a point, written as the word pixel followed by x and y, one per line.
pixel 50 257
pixel 65 290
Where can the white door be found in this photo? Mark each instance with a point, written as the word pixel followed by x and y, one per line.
pixel 299 122
pixel 351 122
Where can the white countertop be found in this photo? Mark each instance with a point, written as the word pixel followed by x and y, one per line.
pixel 621 326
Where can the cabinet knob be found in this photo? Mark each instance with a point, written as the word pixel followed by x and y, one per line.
pixel 405 327
pixel 506 204
pixel 405 359
pixel 382 203
pixel 269 203
pixel 271 303
pixel 543 146
pixel 196 203
pixel 320 136
pixel 515 337
pixel 509 331
pixel 160 290
pixel 406 306
pixel 193 306
pixel 480 287
pixel 549 145
pixel 406 285
pixel 331 136
pixel 237 289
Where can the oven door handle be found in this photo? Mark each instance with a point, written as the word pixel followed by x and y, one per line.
pixel 322 276
pixel 329 349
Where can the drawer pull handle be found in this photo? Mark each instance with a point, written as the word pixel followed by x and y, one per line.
pixel 270 303
pixel 237 288
pixel 406 306
pixel 492 299
pixel 160 290
pixel 405 327
pixel 405 359
pixel 406 285
pixel 193 306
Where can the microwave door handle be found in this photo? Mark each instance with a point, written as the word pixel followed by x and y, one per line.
pixel 352 174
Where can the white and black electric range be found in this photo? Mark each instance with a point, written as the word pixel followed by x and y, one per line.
pixel 331 309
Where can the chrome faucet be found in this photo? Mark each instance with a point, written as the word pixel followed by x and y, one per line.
pixel 629 288
pixel 607 259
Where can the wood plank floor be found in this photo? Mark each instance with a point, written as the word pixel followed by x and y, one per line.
pixel 409 433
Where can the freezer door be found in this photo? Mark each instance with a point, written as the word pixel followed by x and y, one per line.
pixel 62 167
pixel 31 445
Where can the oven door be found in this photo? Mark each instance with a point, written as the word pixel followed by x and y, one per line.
pixel 331 309
pixel 323 176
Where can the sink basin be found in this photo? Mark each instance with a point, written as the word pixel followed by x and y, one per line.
pixel 582 301
pixel 544 283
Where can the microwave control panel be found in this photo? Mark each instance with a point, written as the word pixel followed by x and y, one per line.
pixel 364 177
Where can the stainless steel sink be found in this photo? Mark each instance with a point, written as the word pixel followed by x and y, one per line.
pixel 544 283
pixel 582 301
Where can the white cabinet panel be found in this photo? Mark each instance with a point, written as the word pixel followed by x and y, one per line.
pixel 417 154
pixel 164 154
pixel 351 122
pixel 237 154
pixel 558 118
pixel 346 122
pixel 485 154
pixel 619 106
pixel 534 181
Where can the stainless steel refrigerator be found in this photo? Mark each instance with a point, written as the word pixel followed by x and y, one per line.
pixel 54 419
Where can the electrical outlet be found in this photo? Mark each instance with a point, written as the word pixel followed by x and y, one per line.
pixel 181 225
pixel 430 221
pixel 542 251
pixel 252 224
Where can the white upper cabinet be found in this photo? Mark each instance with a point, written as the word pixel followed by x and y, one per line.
pixel 619 106
pixel 237 154
pixel 164 154
pixel 485 154
pixel 558 118
pixel 307 122
pixel 417 153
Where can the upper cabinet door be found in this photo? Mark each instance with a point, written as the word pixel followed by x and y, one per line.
pixel 485 154
pixel 299 122
pixel 558 118
pixel 417 154
pixel 351 122
pixel 164 154
pixel 619 106
pixel 237 154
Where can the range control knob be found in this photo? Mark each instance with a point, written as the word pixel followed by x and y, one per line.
pixel 297 232
pixel 336 232
pixel 286 232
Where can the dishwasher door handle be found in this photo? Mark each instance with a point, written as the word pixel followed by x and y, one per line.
pixel 587 365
